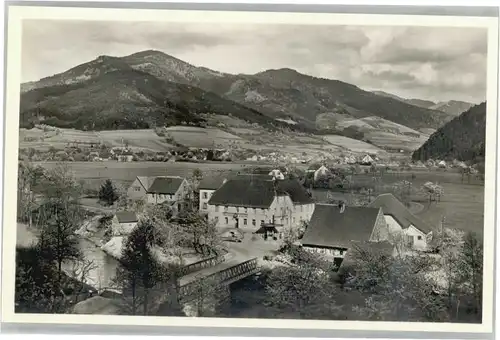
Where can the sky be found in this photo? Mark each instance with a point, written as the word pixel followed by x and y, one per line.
pixel 434 63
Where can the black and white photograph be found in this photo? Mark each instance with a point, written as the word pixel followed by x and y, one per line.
pixel 330 170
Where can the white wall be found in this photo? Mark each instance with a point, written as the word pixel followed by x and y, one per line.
pixel 330 252
pixel 204 198
pixel 136 191
pixel 302 212
pixel 417 238
pixel 281 208
pixel 121 229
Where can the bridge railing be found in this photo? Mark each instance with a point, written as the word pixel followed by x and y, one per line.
pixel 225 276
pixel 202 264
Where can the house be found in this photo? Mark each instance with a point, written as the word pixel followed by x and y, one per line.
pixel 123 223
pixel 206 189
pixel 277 174
pixel 367 160
pixel 247 202
pixel 334 229
pixel 160 189
pixel 125 158
pixel 442 164
pixel 415 233
pixel 349 160
pixel 321 172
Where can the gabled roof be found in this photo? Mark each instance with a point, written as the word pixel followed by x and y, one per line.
pixel 330 228
pixel 393 207
pixel 384 248
pixel 165 185
pixel 145 181
pixel 211 183
pixel 295 190
pixel 245 191
pixel 126 217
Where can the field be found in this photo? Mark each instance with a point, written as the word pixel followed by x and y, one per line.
pixel 352 144
pixel 60 138
pixel 94 173
pixel 462 204
pixel 202 137
pixel 395 141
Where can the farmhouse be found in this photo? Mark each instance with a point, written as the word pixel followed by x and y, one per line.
pixel 160 189
pixel 206 188
pixel 247 202
pixel 442 164
pixel 334 228
pixel 414 232
pixel 123 223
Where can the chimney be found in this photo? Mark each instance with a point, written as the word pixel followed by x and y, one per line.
pixel 342 207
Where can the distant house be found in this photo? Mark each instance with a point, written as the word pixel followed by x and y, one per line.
pixel 247 202
pixel 321 172
pixel 277 174
pixel 206 188
pixel 349 160
pixel 160 189
pixel 367 160
pixel 442 164
pixel 125 158
pixel 123 223
pixel 415 233
pixel 334 228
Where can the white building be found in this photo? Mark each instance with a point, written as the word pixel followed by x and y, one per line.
pixel 277 174
pixel 367 160
pixel 247 202
pixel 321 172
pixel 123 223
pixel 206 189
pixel 160 189
pixel 403 227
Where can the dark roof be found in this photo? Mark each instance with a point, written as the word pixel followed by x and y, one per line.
pixel 393 207
pixel 211 183
pixel 297 192
pixel 382 248
pixel 165 185
pixel 330 228
pixel 126 217
pixel 245 191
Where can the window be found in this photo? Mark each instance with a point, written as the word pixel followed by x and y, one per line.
pixel 205 195
pixel 227 220
pixel 253 223
pixel 419 238
pixel 245 210
pixel 341 252
pixel 261 222
pixel 216 219
pixel 245 221
pixel 205 205
pixel 137 188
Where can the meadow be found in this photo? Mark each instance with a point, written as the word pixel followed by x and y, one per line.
pixel 462 204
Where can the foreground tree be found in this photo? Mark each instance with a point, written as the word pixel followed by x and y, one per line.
pixel 30 179
pixel 36 290
pixel 398 287
pixel 303 289
pixel 140 270
pixel 470 269
pixel 108 193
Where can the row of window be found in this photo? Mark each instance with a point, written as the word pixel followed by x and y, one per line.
pixel 245 221
pixel 163 196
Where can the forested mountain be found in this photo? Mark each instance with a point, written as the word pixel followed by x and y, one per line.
pixel 101 91
pixel 463 138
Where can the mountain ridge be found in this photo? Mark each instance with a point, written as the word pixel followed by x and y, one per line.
pixel 279 94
